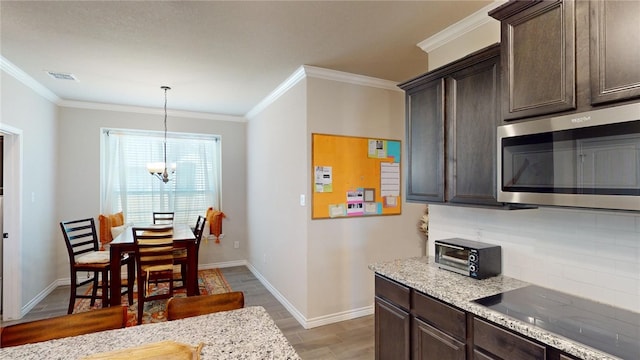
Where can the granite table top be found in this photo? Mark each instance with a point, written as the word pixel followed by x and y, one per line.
pixel 248 333
pixel 423 275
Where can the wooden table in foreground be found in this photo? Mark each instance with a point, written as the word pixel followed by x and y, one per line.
pixel 248 333
pixel 183 237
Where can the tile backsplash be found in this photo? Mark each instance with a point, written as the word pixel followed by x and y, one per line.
pixel 589 253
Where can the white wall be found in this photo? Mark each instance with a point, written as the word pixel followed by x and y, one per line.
pixel 320 267
pixel 23 109
pixel 277 173
pixel 589 253
pixel 79 170
pixel 341 249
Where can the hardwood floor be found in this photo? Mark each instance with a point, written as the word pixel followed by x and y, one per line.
pixel 352 339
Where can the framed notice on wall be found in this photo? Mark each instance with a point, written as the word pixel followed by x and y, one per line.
pixel 355 176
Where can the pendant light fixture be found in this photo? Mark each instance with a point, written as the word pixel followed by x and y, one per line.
pixel 161 170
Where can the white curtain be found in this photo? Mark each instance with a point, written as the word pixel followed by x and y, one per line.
pixel 128 186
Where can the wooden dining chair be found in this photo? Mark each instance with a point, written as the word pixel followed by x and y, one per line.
pixel 180 255
pixel 82 243
pixel 154 256
pixel 109 318
pixel 163 218
pixel 183 307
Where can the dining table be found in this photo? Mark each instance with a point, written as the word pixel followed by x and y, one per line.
pixel 183 238
pixel 248 333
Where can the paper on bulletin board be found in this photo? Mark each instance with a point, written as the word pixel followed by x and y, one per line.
pixel 337 210
pixel 377 149
pixel 324 179
pixel 355 202
pixel 389 179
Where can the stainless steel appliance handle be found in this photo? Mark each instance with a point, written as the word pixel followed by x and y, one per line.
pixel 450 246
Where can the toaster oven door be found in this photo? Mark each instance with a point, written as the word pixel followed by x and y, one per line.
pixel 453 258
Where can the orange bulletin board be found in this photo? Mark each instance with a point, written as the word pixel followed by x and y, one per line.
pixel 355 176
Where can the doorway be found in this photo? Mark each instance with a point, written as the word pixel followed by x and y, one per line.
pixel 11 218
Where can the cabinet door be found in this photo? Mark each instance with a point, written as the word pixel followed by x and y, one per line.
pixel 615 50
pixel 425 138
pixel 392 326
pixel 472 97
pixel 538 57
pixel 430 343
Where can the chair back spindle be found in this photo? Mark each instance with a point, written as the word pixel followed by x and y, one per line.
pixel 162 218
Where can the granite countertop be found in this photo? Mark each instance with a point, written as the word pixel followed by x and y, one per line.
pixel 247 333
pixel 423 275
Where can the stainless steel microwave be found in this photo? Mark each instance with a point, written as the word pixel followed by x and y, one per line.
pixel 589 159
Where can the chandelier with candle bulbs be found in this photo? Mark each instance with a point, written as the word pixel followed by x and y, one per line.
pixel 161 170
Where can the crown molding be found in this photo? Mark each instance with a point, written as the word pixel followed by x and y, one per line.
pixel 290 82
pixel 8 67
pixel 146 110
pixel 307 71
pixel 460 28
pixel 335 75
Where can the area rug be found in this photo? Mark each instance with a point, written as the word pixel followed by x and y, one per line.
pixel 210 281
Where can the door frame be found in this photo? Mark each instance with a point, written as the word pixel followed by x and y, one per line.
pixel 12 224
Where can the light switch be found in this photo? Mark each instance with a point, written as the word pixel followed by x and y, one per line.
pixel 303 201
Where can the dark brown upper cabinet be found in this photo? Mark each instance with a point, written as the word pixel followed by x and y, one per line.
pixel 567 56
pixel 425 141
pixel 538 57
pixel 451 117
pixel 615 50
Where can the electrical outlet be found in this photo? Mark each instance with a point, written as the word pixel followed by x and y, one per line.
pixel 236 244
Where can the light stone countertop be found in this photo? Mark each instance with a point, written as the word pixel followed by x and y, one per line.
pixel 248 333
pixel 423 275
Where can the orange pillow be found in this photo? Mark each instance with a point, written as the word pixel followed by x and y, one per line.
pixel 106 223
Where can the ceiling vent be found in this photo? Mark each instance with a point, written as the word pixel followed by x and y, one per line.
pixel 62 76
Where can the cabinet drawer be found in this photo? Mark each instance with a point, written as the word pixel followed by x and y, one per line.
pixel 442 316
pixel 393 292
pixel 505 344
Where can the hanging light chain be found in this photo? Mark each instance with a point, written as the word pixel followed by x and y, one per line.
pixel 165 174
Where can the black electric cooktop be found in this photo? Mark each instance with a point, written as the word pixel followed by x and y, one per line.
pixel 606 328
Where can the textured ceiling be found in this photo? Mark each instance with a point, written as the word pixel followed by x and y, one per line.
pixel 220 57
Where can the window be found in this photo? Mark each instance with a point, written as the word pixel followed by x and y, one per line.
pixel 127 185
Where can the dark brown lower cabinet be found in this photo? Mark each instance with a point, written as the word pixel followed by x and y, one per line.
pixel 393 321
pixel 430 343
pixel 497 343
pixel 412 325
pixel 392 331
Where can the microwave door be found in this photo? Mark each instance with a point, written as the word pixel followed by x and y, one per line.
pixel 579 160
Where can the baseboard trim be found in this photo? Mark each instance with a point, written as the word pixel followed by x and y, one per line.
pixel 224 264
pixel 41 295
pixel 283 300
pixel 314 322
pixel 341 316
